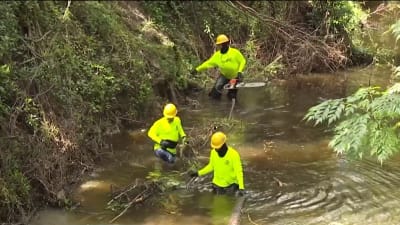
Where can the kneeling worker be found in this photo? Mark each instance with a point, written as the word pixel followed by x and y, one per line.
pixel 227 167
pixel 166 132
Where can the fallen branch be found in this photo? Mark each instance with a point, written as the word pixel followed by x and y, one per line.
pixel 138 198
pixel 302 51
pixel 140 191
pixel 232 106
pixel 235 217
pixel 280 183
pixel 250 220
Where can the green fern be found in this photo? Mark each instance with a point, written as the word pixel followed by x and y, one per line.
pixel 367 122
pixel 395 29
pixel 384 142
pixel 351 135
pixel 386 106
pixel 396 73
pixel 330 110
pixel 362 98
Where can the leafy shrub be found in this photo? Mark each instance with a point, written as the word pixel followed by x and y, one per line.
pixel 367 122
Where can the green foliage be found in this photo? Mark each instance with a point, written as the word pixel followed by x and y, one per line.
pixel 8 31
pixel 67 78
pixel 380 35
pixel 6 89
pixel 396 73
pixel 32 111
pixel 15 188
pixel 367 122
pixel 395 29
pixel 330 110
pixel 257 68
pixel 338 16
pixel 190 24
pixel 99 88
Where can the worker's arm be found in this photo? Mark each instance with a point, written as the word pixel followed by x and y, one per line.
pixel 242 61
pixel 153 133
pixel 210 63
pixel 207 169
pixel 237 167
pixel 180 129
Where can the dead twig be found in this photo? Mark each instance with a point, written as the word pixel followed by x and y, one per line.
pixel 250 220
pixel 133 194
pixel 280 183
pixel 139 198
pixel 301 50
pixel 38 39
pixel 232 106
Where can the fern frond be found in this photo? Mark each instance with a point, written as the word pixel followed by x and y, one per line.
pixel 396 87
pixel 395 29
pixel 387 105
pixel 384 142
pixel 351 135
pixel 363 94
pixel 330 110
pixel 370 122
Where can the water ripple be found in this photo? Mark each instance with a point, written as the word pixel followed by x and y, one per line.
pixel 332 191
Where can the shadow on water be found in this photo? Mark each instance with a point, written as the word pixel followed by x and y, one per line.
pixel 291 174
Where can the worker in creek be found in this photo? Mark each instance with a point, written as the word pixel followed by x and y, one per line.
pixel 166 133
pixel 231 64
pixel 227 167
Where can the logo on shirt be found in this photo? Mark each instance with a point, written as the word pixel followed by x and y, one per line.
pixel 226 162
pixel 225 60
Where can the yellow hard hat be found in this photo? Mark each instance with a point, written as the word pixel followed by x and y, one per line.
pixel 217 140
pixel 222 38
pixel 170 110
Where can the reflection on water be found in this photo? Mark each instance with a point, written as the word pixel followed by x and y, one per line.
pixel 290 173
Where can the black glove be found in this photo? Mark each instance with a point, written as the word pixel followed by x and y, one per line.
pixel 193 72
pixel 239 77
pixel 168 144
pixel 194 174
pixel 240 192
pixel 185 141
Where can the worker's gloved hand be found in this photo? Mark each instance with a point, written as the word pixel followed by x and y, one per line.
pixel 185 140
pixel 164 144
pixel 233 83
pixel 240 192
pixel 239 77
pixel 193 174
pixel 193 72
pixel 168 144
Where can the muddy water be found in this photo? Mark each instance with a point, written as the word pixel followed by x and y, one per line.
pixel 290 173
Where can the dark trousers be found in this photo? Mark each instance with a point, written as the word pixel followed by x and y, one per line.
pixel 165 155
pixel 216 91
pixel 230 190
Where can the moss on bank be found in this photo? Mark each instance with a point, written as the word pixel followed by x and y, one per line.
pixel 69 75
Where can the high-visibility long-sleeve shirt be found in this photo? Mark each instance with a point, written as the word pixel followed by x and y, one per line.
pixel 227 170
pixel 164 130
pixel 229 63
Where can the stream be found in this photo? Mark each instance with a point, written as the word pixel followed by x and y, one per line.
pixel 291 175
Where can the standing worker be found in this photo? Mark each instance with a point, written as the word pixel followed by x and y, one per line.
pixel 166 132
pixel 230 62
pixel 226 165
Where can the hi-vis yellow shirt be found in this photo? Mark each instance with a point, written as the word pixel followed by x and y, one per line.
pixel 163 130
pixel 227 169
pixel 229 64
